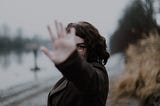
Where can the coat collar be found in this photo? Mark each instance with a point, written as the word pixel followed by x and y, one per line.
pixel 60 85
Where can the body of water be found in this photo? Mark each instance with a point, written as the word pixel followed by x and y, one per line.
pixel 17 69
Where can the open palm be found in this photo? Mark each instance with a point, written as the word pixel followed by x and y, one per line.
pixel 63 44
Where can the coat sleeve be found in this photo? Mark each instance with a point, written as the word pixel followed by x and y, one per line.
pixel 87 77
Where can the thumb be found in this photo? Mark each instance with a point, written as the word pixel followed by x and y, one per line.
pixel 46 52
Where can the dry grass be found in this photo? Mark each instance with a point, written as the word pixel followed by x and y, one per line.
pixel 142 72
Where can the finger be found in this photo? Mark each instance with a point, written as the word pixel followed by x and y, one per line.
pixel 63 30
pixel 73 31
pixel 57 25
pixel 46 52
pixel 51 33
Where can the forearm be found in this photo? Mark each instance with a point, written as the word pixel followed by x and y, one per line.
pixel 82 74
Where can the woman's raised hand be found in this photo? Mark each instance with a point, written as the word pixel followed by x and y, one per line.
pixel 63 44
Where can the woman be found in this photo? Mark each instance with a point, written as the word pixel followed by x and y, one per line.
pixel 80 55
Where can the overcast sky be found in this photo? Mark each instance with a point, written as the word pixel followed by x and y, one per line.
pixel 34 15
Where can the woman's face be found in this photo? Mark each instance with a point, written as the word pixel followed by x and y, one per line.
pixel 81 47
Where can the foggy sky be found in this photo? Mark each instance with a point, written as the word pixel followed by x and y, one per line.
pixel 34 15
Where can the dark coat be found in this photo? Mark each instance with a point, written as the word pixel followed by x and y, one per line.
pixel 83 84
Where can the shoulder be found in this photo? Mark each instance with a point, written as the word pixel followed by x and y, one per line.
pixel 99 66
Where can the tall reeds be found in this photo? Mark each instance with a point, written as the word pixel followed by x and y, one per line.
pixel 141 80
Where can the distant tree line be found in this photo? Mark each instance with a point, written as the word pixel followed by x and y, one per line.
pixel 138 20
pixel 18 42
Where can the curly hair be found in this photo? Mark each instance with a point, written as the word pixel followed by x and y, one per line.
pixel 95 43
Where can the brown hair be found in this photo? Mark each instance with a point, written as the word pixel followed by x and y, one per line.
pixel 96 44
